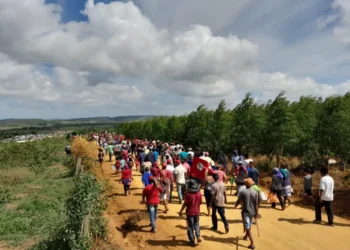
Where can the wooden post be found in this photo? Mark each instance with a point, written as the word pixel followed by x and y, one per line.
pixel 77 169
pixel 85 226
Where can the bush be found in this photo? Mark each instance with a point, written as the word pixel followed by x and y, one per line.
pixel 84 202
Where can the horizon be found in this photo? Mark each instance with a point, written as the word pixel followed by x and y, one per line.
pixel 93 58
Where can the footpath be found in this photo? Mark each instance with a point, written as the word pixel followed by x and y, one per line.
pixel 288 230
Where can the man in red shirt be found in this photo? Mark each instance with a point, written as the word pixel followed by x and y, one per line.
pixel 151 193
pixel 192 203
pixel 156 171
pixel 221 174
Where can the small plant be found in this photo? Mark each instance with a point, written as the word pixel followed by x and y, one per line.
pixel 5 195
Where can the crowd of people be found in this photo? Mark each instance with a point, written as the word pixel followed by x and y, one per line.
pixel 165 166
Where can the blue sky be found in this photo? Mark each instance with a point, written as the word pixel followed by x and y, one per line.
pixel 166 56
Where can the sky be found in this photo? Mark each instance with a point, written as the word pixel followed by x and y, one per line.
pixel 84 58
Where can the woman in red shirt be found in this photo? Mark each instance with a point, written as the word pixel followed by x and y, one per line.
pixel 126 179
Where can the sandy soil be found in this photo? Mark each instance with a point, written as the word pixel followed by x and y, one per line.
pixel 290 229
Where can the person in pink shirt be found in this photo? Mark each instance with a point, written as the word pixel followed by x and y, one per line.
pixel 221 174
pixel 186 165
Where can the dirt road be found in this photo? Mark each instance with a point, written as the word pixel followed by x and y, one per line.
pixel 287 230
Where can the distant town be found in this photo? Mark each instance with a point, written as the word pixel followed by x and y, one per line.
pixel 35 137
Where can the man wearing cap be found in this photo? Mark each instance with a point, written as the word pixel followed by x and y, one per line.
pixel 250 207
pixel 155 171
pixel 192 203
pixel 180 178
pixel 151 193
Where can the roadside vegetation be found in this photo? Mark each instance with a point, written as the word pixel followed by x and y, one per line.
pixel 42 204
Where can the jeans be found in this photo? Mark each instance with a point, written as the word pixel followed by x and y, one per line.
pixel 193 226
pixel 329 209
pixel 181 189
pixel 153 210
pixel 214 218
pixel 279 196
pixel 126 189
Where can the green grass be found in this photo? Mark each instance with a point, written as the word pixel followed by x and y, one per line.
pixel 32 205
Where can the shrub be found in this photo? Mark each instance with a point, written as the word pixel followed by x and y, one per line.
pixel 84 202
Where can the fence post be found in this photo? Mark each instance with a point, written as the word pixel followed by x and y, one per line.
pixel 77 169
pixel 85 225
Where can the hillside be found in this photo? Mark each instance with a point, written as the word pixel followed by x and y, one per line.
pixel 18 123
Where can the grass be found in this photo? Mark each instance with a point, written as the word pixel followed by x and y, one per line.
pixel 33 204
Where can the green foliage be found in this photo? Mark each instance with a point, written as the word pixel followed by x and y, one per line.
pixel 5 195
pixel 31 204
pixel 309 128
pixel 85 200
pixel 35 155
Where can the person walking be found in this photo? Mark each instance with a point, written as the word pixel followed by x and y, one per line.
pixel 250 207
pixel 276 187
pixel 207 190
pixel 241 176
pixel 192 203
pixel 110 151
pixel 218 203
pixel 151 193
pixel 308 185
pixel 126 180
pixel 155 171
pixel 105 146
pixel 145 177
pixel 286 185
pixel 221 174
pixel 326 198
pixel 166 180
pixel 68 150
pixel 254 173
pixel 100 157
pixel 180 173
pixel 155 155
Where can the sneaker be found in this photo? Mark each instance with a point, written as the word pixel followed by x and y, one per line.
pixel 153 230
pixel 191 243
pixel 331 224
pixel 213 228
pixel 317 221
pixel 251 247
pixel 199 240
pixel 227 229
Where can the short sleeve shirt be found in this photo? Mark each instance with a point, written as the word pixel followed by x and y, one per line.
pixel 218 190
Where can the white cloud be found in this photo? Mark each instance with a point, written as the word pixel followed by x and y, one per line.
pixel 340 19
pixel 119 41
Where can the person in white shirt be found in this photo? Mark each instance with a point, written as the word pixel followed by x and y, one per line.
pixel 190 153
pixel 247 160
pixel 326 198
pixel 180 173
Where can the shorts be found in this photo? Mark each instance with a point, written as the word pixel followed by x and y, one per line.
pixel 308 192
pixel 247 221
pixel 163 196
pixel 208 197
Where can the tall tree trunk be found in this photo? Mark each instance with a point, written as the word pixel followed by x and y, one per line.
pixel 278 157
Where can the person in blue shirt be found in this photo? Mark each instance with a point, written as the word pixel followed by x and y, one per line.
pixel 145 177
pixel 253 173
pixel 155 156
pixel 183 155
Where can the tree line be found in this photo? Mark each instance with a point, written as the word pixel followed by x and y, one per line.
pixel 311 128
